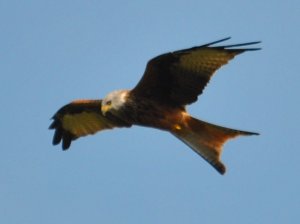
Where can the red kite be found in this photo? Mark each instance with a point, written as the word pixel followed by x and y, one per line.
pixel 171 81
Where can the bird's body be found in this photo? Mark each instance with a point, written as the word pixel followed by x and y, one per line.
pixel 171 81
pixel 142 114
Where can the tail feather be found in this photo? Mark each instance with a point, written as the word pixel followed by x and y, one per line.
pixel 207 139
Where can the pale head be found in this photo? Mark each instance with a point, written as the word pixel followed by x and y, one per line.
pixel 114 101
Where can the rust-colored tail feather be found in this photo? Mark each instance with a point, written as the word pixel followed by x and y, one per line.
pixel 207 139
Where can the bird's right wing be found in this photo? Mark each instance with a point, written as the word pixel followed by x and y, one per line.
pixel 80 118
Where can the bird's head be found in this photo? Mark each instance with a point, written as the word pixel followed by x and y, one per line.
pixel 114 101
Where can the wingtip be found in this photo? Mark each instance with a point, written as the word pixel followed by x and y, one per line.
pixel 252 49
pixel 216 42
pixel 234 46
pixel 65 146
pixel 52 126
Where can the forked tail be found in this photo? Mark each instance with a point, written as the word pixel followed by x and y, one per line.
pixel 207 139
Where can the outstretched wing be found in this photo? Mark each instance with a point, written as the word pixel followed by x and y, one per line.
pixel 80 118
pixel 179 77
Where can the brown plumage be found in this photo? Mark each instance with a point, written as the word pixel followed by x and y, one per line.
pixel 171 81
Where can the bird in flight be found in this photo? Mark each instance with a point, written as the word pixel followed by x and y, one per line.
pixel 170 82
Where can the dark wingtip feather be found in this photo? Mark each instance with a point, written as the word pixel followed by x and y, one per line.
pixel 242 44
pixel 66 144
pixel 52 125
pixel 216 42
pixel 233 46
pixel 57 137
pixel 60 134
pixel 57 132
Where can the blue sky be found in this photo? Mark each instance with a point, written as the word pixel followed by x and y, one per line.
pixel 52 52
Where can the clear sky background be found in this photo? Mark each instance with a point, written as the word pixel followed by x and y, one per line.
pixel 52 52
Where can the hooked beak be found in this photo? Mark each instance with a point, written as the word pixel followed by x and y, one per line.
pixel 105 109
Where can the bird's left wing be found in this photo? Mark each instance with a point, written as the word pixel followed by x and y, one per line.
pixel 80 118
pixel 179 77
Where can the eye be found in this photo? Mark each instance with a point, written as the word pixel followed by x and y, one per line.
pixel 108 103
